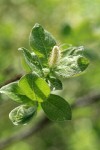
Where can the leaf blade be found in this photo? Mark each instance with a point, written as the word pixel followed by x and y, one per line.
pixel 56 108
pixel 32 60
pixel 34 87
pixel 54 83
pixel 71 66
pixel 22 114
pixel 14 92
pixel 41 41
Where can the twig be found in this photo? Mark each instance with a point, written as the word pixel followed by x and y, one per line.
pixel 88 99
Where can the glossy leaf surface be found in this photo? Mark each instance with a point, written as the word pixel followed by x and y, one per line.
pixel 32 60
pixel 54 83
pixel 41 41
pixel 14 92
pixel 56 108
pixel 34 87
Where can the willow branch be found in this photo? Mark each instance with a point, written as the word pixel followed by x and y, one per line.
pixel 92 97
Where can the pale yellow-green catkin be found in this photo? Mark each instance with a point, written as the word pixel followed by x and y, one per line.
pixel 54 57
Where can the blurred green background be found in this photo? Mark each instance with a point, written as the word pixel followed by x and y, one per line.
pixel 74 22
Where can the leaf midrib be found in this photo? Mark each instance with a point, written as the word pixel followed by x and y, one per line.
pixel 58 108
pixel 43 43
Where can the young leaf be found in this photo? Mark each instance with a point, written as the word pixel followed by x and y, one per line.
pixel 72 50
pixel 34 87
pixel 14 92
pixel 32 60
pixel 54 83
pixel 22 114
pixel 71 65
pixel 56 108
pixel 83 63
pixel 41 41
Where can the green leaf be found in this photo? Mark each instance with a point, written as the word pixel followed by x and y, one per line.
pixel 14 92
pixel 54 83
pixel 22 114
pixel 32 60
pixel 34 87
pixel 41 41
pixel 56 108
pixel 71 66
pixel 83 63
pixel 25 66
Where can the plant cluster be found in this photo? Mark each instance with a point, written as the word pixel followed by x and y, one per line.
pixel 47 64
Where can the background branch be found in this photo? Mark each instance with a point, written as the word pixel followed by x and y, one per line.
pixel 17 77
pixel 88 99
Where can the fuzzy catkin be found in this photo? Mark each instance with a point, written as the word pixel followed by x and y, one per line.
pixel 54 57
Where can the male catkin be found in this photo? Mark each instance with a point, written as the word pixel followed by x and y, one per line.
pixel 54 57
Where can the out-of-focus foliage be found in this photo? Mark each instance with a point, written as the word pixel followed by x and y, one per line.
pixel 74 22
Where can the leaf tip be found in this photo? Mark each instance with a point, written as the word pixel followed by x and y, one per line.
pixel 83 63
pixel 20 49
pixel 37 25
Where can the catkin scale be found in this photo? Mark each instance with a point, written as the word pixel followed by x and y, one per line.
pixel 54 57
